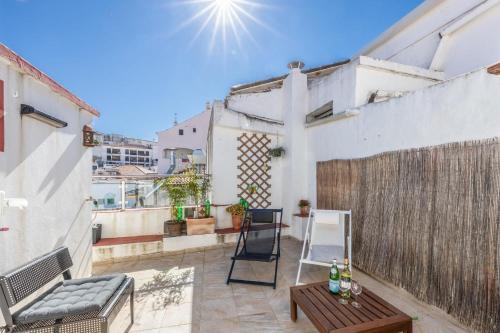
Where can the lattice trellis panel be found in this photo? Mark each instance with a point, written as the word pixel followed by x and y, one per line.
pixel 254 178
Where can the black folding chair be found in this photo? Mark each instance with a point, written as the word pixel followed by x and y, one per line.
pixel 258 236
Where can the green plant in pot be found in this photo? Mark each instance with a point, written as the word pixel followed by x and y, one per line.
pixel 277 152
pixel 237 211
pixel 304 206
pixel 198 187
pixel 176 191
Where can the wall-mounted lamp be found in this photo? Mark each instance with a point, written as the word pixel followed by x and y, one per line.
pixel 29 111
pixel 88 136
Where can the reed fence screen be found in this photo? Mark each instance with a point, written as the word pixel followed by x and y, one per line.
pixel 427 220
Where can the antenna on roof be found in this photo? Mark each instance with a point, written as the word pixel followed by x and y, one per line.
pixel 175 119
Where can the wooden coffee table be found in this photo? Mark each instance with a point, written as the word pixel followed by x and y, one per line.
pixel 328 315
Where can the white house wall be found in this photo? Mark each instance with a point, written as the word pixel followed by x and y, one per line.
pixel 51 169
pixel 351 85
pixel 170 138
pixel 471 47
pixel 475 45
pixel 264 104
pixel 370 79
pixel 224 164
pixel 339 86
pixel 465 108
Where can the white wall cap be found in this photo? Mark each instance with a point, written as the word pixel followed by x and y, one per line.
pixel 399 68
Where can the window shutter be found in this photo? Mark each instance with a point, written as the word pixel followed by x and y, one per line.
pixel 2 114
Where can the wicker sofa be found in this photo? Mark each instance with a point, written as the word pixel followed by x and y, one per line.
pixel 73 305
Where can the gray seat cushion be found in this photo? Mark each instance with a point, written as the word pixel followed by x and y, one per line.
pixel 71 297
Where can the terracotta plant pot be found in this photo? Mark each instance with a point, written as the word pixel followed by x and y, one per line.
pixel 236 219
pixel 172 228
pixel 201 226
pixel 304 210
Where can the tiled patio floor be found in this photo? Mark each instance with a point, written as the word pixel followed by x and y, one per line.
pixel 187 293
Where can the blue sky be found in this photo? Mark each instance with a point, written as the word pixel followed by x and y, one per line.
pixel 138 63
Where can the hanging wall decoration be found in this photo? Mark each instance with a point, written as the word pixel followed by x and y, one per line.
pixel 254 178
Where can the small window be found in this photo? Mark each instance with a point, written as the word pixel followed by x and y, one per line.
pixel 109 158
pixel 126 158
pixel 126 151
pixel 324 111
pixel 194 129
pixel 147 153
pixel 108 150
pixel 181 132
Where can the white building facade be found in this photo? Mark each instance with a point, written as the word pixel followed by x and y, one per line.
pixel 115 150
pixel 385 98
pixel 184 144
pixel 43 161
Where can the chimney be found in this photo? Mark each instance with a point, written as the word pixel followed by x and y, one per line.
pixel 297 64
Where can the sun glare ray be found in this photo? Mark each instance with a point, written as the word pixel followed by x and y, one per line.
pixel 193 18
pixel 245 30
pixel 214 32
pixel 204 25
pixel 253 18
pixel 229 20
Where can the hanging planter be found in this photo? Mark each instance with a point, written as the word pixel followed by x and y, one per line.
pixel 277 152
pixel 252 188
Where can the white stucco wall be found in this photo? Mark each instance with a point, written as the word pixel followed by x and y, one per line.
pixel 131 222
pixel 465 108
pixel 351 85
pixel 339 86
pixel 259 103
pixel 471 47
pixel 51 169
pixel 170 138
pixel 224 164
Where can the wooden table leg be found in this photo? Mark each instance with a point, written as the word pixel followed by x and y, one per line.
pixel 409 327
pixel 293 308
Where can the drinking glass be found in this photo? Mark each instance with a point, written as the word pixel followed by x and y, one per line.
pixel 343 288
pixel 356 289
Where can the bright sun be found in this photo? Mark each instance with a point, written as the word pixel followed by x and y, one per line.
pixel 225 17
pixel 224 4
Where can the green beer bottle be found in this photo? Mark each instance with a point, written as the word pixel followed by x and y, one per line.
pixel 333 283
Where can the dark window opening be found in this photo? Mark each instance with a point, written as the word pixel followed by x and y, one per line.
pixel 181 132
pixel 194 129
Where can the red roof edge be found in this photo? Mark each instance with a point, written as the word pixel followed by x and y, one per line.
pixel 34 72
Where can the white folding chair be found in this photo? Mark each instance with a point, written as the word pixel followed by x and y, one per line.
pixel 325 238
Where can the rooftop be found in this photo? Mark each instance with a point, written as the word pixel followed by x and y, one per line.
pixel 186 292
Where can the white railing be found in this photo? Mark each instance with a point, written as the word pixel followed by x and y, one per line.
pixel 119 193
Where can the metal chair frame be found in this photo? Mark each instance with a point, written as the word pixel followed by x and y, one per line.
pixel 25 280
pixel 243 237
pixel 308 240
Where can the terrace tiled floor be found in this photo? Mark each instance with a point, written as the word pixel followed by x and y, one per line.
pixel 187 293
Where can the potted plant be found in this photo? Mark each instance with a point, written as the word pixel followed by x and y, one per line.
pixel 277 152
pixel 176 192
pixel 197 187
pixel 304 207
pixel 237 211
